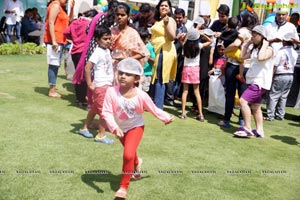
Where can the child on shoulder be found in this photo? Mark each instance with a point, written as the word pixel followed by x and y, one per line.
pixel 228 37
pixel 123 107
pixel 101 64
pixel 191 69
pixel 259 79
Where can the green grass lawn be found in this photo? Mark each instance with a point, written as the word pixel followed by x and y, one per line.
pixel 41 156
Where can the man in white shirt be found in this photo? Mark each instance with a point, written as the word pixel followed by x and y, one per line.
pixel 280 27
pixel 13 9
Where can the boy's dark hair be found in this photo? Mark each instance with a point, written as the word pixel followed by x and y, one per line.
pixel 179 11
pixel 191 49
pixel 233 22
pixel 100 31
pixel 224 9
pixel 145 8
pixel 144 33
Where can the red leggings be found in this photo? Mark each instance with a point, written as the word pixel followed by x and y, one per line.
pixel 130 141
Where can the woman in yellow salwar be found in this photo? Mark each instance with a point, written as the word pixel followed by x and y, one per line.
pixel 163 33
pixel 126 41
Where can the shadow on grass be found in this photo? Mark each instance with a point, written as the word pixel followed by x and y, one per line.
pixel 295 124
pixel 42 90
pixel 114 180
pixel 286 139
pixel 91 179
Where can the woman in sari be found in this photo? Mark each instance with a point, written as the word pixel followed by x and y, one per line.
pixel 126 41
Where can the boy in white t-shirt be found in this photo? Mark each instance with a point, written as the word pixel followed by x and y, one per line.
pixel 100 63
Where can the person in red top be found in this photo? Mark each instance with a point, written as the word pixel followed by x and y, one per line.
pixel 57 21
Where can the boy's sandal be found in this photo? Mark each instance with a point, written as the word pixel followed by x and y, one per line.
pixel 121 193
pixel 200 118
pixel 104 139
pixel 243 133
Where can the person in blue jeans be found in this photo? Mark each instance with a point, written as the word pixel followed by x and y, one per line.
pixel 232 84
pixel 14 12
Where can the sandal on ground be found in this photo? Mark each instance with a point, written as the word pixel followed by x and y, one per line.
pixel 182 116
pixel 121 193
pixel 85 133
pixel 104 139
pixel 54 95
pixel 257 134
pixel 243 133
pixel 200 118
pixel 225 124
pixel 137 175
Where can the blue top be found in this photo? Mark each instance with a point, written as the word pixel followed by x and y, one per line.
pixel 148 66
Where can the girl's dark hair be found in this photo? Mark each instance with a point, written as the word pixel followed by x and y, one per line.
pixel 249 20
pixel 191 48
pixel 124 6
pixel 157 14
pixel 100 31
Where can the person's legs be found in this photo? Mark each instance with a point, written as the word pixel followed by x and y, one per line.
pixel 8 32
pixel 159 94
pixel 80 89
pixel 258 118
pixel 287 82
pixel 89 119
pixel 274 95
pixel 169 96
pixel 183 99
pixel 52 76
pixel 18 31
pixel 246 111
pixel 199 101
pixel 130 141
pixel 241 88
pixel 231 84
pixel 159 86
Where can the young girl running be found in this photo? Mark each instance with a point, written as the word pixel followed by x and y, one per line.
pixel 123 107
pixel 191 69
pixel 258 79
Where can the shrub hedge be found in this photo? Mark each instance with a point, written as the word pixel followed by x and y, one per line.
pixel 24 49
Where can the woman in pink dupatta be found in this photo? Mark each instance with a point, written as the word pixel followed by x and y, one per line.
pixel 100 19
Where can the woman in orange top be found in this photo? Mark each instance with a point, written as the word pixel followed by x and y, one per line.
pixel 57 21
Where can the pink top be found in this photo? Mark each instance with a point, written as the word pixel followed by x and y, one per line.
pixel 123 113
pixel 77 32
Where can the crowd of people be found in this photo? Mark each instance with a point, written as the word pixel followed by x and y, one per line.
pixel 127 65
pixel 25 26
